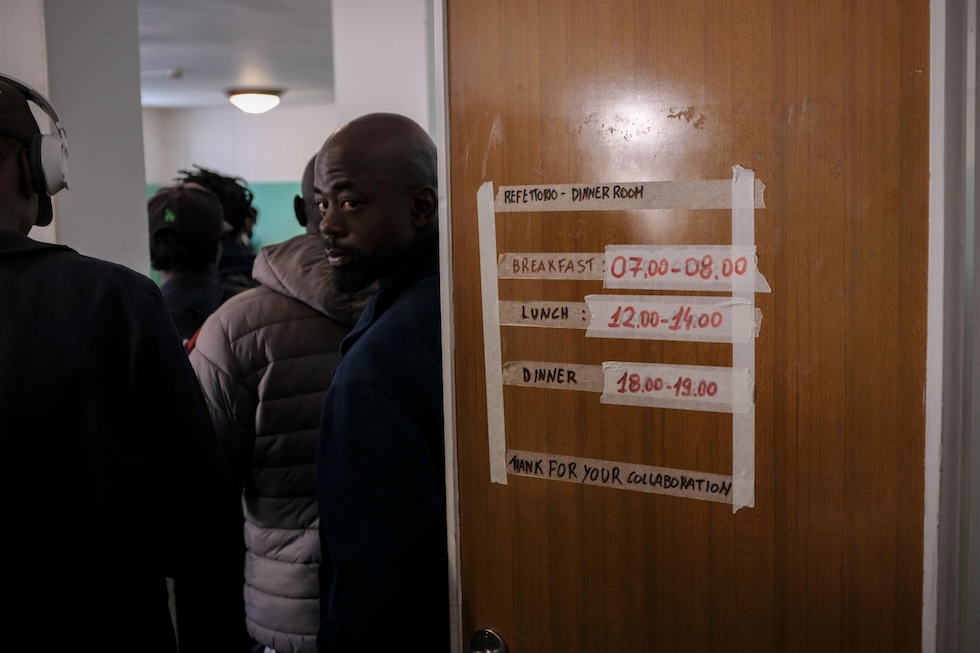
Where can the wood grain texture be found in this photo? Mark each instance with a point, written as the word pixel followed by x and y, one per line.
pixel 828 103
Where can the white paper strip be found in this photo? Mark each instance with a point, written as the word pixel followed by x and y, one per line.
pixel 669 317
pixel 621 196
pixel 681 387
pixel 491 333
pixel 743 354
pixel 622 476
pixel 561 315
pixel 553 265
pixel 556 376
pixel 670 267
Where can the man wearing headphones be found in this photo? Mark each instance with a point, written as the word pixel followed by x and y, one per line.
pixel 112 478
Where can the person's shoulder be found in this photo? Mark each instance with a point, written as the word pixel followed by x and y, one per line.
pixel 80 291
pixel 234 313
pixel 230 289
pixel 405 336
pixel 75 269
pixel 425 284
pixel 254 310
pixel 135 286
pixel 416 309
pixel 261 326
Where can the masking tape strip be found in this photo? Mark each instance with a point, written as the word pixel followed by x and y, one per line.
pixel 643 267
pixel 550 266
pixel 555 376
pixel 486 219
pixel 622 476
pixel 683 267
pixel 621 196
pixel 679 387
pixel 670 317
pixel 561 315
pixel 743 354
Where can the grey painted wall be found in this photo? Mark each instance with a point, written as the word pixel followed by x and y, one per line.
pixel 94 83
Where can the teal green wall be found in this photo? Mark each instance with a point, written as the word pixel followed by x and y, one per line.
pixel 276 219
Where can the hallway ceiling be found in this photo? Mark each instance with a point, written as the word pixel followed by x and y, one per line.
pixel 192 50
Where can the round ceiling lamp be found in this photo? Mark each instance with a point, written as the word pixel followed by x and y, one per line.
pixel 252 100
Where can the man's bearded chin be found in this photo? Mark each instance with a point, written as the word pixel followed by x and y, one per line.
pixel 354 276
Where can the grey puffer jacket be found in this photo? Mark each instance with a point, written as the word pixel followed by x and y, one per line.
pixel 265 359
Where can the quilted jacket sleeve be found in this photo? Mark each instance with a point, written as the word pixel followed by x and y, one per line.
pixel 231 402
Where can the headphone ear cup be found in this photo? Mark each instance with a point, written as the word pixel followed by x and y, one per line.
pixel 38 182
pixel 48 157
pixel 54 163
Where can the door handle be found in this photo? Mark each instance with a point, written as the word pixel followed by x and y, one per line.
pixel 487 641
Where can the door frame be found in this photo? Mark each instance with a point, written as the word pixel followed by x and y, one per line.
pixel 951 431
pixel 441 137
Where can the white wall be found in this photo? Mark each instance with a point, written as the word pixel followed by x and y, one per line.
pixel 23 55
pixel 383 59
pixel 271 147
pixel 380 65
pixel 94 82
pixel 22 43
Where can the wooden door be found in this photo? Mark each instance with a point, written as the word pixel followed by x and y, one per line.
pixel 780 509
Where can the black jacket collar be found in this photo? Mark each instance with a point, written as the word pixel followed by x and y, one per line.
pixel 421 261
pixel 14 242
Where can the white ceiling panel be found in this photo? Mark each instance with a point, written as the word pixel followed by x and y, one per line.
pixel 191 51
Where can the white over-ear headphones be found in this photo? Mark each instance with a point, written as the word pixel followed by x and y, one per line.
pixel 48 153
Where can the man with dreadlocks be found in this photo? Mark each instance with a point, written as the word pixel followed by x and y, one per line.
pixel 237 256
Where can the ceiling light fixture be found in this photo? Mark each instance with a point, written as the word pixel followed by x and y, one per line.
pixel 252 100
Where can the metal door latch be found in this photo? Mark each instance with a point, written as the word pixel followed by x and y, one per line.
pixel 487 641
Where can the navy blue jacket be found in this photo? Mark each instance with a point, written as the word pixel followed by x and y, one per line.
pixel 192 296
pixel 381 476
pixel 112 478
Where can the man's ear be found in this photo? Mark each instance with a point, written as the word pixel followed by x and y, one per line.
pixel 300 210
pixel 425 205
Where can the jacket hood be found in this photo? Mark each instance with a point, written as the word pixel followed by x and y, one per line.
pixel 298 268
